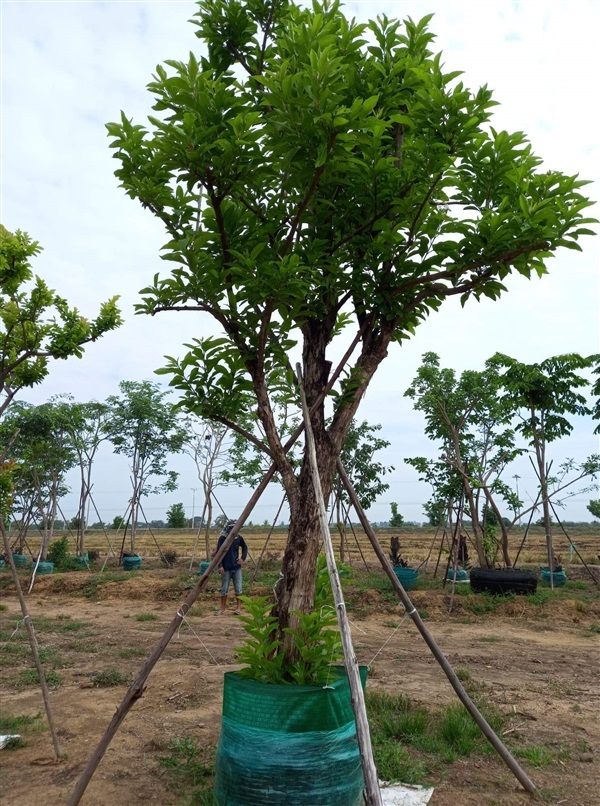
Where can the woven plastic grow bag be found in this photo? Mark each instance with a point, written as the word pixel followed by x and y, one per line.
pixel 288 745
pixel 559 578
pixel 408 577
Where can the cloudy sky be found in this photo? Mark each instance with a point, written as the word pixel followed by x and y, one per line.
pixel 70 66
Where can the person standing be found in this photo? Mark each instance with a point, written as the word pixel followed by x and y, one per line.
pixel 231 566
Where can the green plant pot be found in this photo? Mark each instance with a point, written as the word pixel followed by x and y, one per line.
pixel 45 568
pixel 461 575
pixel 559 578
pixel 2 564
pixel 203 566
pixel 82 561
pixel 286 745
pixel 21 560
pixel 132 563
pixel 407 577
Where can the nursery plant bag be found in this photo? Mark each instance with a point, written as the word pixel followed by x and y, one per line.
pixel 288 745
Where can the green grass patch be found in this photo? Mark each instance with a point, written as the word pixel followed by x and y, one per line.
pixel 29 677
pixel 486 603
pixel 50 657
pixel 3 606
pixel 21 724
pixel 410 741
pixel 190 769
pixel 540 597
pixel 536 755
pixel 146 617
pixel 94 582
pixel 108 678
pixel 133 652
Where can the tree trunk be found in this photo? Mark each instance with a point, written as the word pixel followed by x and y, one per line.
pixel 296 588
pixel 539 440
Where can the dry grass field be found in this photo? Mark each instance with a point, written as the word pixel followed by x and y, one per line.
pixel 417 544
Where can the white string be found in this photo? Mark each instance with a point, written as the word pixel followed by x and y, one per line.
pixel 191 629
pixel 21 624
pixel 406 615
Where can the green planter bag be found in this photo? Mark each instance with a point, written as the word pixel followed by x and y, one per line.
pixel 288 745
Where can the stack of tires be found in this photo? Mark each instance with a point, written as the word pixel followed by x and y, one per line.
pixel 499 582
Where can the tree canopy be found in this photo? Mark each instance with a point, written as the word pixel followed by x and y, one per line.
pixel 315 174
pixel 36 324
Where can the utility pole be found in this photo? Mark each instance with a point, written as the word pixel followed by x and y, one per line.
pixel 193 489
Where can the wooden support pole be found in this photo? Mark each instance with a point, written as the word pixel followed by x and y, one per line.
pixel 372 791
pixel 487 731
pixel 32 641
pixel 266 543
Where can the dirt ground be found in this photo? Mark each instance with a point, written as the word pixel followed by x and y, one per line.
pixel 538 664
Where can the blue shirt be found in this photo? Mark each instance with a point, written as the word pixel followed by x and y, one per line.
pixel 230 560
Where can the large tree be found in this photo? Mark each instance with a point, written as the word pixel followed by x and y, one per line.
pixel 314 175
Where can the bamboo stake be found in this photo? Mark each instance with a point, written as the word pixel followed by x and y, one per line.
pixel 360 551
pixel 487 731
pixel 526 530
pixel 162 556
pixel 266 543
pixel 372 791
pixel 587 568
pixel 32 642
pixel 103 526
pixel 197 539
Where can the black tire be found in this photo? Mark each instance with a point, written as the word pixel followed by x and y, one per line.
pixel 499 582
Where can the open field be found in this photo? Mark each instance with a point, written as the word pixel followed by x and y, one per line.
pixel 532 662
pixel 416 544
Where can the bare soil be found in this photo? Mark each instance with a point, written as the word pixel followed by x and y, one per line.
pixel 538 663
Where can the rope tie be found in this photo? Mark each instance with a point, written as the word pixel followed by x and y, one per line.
pixel 191 629
pixel 20 624
pixel 406 615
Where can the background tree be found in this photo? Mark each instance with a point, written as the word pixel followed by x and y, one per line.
pixel 543 396
pixel 464 414
pixel 594 508
pixel 86 426
pixel 36 324
pixel 176 517
pixel 308 182
pixel 205 442
pixel 360 446
pixel 143 426
pixel 44 455
pixel 396 519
